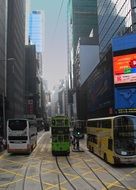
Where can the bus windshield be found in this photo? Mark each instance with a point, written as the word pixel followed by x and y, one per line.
pixel 125 135
pixel 17 124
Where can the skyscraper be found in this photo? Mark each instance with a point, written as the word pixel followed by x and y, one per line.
pixel 27 22
pixel 110 93
pixel 36 29
pixel 16 54
pixel 82 21
pixel 36 37
pixel 114 18
pixel 3 51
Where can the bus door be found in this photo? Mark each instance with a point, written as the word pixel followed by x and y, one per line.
pixel 99 144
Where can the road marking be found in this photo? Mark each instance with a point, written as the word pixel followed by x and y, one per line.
pixel 9 183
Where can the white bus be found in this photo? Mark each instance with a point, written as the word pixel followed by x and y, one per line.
pixel 21 135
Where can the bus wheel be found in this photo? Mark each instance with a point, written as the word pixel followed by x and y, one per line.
pixel 105 157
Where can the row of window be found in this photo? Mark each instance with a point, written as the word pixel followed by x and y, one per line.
pixel 99 124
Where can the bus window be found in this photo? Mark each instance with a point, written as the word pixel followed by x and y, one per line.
pixel 125 135
pixel 17 124
pixel 106 123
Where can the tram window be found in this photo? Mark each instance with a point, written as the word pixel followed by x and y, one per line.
pixel 60 138
pixel 53 122
pixel 66 122
pixel 54 139
pixel 66 137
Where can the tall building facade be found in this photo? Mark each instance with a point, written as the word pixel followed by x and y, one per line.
pixel 31 80
pixel 3 61
pixel 117 28
pixel 115 18
pixel 36 37
pixel 16 57
pixel 37 33
pixel 36 29
pixel 111 92
pixel 27 22
pixel 82 23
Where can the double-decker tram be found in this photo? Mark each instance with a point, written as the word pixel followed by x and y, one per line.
pixel 113 138
pixel 21 135
pixel 60 135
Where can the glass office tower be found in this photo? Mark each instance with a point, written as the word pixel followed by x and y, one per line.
pixel 36 29
pixel 82 20
pixel 115 17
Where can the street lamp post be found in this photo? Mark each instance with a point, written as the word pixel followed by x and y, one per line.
pixel 4 94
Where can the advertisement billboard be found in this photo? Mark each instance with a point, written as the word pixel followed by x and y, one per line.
pixel 125 42
pixel 124 68
pixel 125 97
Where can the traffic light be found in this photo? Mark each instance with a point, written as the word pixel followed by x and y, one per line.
pixel 78 133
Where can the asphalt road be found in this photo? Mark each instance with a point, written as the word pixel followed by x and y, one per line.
pixel 79 171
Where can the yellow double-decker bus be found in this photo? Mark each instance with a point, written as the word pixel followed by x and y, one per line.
pixel 113 138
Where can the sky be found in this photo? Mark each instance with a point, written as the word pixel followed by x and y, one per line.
pixel 55 63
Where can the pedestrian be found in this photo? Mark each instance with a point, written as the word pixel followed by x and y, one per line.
pixel 77 143
pixel 73 141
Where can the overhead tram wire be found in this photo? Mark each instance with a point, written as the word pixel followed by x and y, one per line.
pixel 61 6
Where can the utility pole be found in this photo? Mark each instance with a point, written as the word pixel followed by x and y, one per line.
pixel 4 116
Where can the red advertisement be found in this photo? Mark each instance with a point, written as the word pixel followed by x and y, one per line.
pixel 30 106
pixel 124 68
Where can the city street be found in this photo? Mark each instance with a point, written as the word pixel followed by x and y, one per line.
pixel 80 170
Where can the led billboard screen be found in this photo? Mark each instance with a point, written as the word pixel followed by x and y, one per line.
pixel 124 68
pixel 125 97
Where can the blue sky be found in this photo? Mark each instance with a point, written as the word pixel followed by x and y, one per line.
pixel 55 66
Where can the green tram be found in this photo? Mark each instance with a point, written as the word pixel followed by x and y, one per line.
pixel 60 135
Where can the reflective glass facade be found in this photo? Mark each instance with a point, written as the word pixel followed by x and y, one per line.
pixel 115 17
pixel 82 18
pixel 36 29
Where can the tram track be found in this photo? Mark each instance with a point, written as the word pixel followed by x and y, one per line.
pixel 73 187
pixel 25 177
pixel 80 174
pixel 117 180
pixel 110 173
pixel 91 187
pixel 93 157
pixel 40 175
